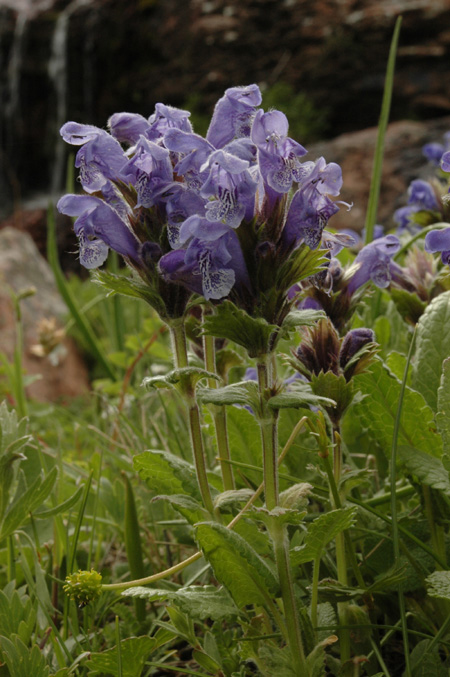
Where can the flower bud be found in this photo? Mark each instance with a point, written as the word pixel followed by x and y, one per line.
pixel 83 587
pixel 353 342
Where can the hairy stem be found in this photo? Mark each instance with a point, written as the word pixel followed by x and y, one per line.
pixel 178 335
pixel 278 532
pixel 220 419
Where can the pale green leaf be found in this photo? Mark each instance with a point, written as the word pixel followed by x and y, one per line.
pixel 438 584
pixel 197 601
pixel 236 564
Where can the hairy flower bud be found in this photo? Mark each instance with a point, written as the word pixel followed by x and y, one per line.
pixel 84 586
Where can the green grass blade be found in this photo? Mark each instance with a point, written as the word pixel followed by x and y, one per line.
pixel 67 295
pixel 374 194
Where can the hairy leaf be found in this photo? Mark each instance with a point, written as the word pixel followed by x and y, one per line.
pixel 377 411
pixel 326 527
pixel 236 564
pixel 443 406
pixel 197 601
pixel 438 584
pixel 433 346
pixel 164 472
pixel 236 325
pixel 428 469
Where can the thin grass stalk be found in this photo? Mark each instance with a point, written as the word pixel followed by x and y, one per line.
pixel 374 195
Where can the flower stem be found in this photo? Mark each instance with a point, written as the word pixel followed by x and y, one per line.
pixel 341 560
pixel 278 532
pixel 220 418
pixel 178 335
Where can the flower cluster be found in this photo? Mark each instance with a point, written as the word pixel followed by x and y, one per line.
pixel 211 214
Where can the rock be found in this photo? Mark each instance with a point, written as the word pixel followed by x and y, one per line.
pixel 62 372
pixel 403 162
pixel 113 55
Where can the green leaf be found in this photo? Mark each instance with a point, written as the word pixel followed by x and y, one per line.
pixel 300 397
pixel 432 347
pixel 426 660
pixel 438 584
pixel 282 516
pixel 197 601
pixel 235 324
pixel 134 287
pixel 134 652
pixel 245 440
pixel 428 469
pixel 377 411
pixel 336 388
pixel 301 318
pixel 443 406
pixel 184 379
pixel 61 507
pixel 244 392
pixel 166 473
pixel 408 305
pixel 22 661
pixel 27 502
pixel 233 498
pixel 236 565
pixel 17 616
pixel 326 527
pixel 187 506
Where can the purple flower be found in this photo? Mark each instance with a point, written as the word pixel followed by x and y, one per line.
pixel 167 117
pixel 434 151
pixel 99 159
pixel 374 263
pixel 308 215
pixel 421 193
pixel 193 151
pixel 439 241
pixel 278 154
pixel 233 114
pixel 98 227
pixel 232 186
pixel 127 127
pixel 212 261
pixel 445 162
pixel 149 170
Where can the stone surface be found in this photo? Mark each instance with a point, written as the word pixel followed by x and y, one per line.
pixel 119 55
pixel 22 268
